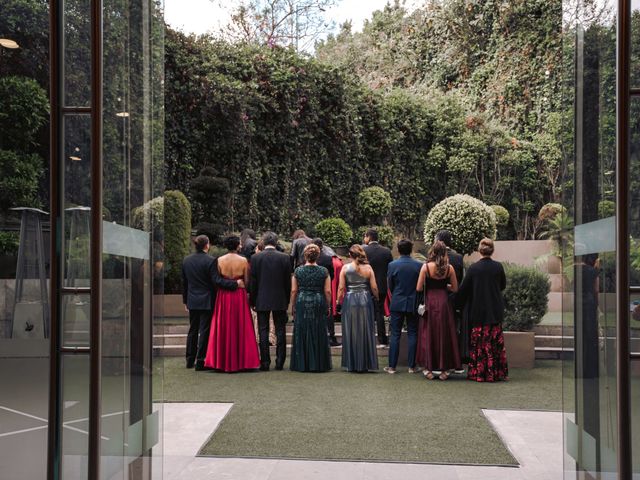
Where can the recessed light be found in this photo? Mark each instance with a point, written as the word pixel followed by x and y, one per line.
pixel 74 158
pixel 6 43
pixel 122 114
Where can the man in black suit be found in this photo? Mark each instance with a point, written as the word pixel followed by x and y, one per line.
pixel 269 293
pixel 325 260
pixel 200 278
pixel 379 258
pixel 457 262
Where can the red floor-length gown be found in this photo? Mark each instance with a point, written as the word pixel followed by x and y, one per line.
pixel 232 341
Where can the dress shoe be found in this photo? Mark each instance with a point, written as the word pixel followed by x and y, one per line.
pixel 333 342
pixel 264 368
pixel 190 363
pixel 279 367
pixel 200 367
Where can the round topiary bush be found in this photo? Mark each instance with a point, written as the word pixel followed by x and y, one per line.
pixel 468 219
pixel 334 232
pixel 386 236
pixel 177 238
pixel 525 298
pixel 606 208
pixel 549 211
pixel 502 215
pixel 374 203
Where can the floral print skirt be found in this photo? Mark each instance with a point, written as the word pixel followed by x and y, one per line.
pixel 488 358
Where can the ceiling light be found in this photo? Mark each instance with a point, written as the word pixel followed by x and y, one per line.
pixel 74 158
pixel 6 43
pixel 122 114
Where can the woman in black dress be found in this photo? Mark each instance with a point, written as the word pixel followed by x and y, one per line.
pixel 482 290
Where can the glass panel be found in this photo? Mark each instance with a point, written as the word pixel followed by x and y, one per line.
pixel 76 317
pixel 634 268
pixel 635 44
pixel 75 416
pixel 589 311
pixel 77 53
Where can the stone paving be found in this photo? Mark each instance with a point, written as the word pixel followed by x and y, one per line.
pixel 533 437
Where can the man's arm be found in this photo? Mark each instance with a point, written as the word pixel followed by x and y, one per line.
pixel 185 285
pixel 217 279
pixel 253 281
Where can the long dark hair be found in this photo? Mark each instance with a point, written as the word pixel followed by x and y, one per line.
pixel 438 255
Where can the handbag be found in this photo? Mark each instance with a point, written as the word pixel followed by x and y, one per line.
pixel 421 309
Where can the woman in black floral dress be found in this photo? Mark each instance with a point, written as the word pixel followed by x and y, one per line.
pixel 482 289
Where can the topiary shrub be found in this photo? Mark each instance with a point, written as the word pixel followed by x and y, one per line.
pixel 374 203
pixel 526 297
pixel 606 208
pixel 386 236
pixel 214 231
pixel 468 219
pixel 177 238
pixel 149 216
pixel 549 211
pixel 502 215
pixel 334 232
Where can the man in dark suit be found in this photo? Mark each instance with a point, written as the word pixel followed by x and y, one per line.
pixel 325 260
pixel 457 262
pixel 269 293
pixel 379 258
pixel 402 280
pixel 200 278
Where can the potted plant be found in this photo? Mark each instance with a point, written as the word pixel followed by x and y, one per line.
pixel 525 304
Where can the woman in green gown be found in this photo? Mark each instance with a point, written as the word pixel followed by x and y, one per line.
pixel 311 300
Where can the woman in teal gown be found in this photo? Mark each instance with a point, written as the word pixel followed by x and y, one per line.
pixel 311 300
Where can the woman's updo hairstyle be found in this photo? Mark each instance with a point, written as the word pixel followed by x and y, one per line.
pixel 356 252
pixel 311 253
pixel 486 247
pixel 231 243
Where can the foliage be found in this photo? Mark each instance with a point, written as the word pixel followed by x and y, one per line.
pixel 20 174
pixel 214 231
pixel 502 215
pixel 149 216
pixel 386 236
pixel 549 211
pixel 468 219
pixel 9 243
pixel 374 203
pixel 334 232
pixel 525 297
pixel 559 229
pixel 177 238
pixel 606 208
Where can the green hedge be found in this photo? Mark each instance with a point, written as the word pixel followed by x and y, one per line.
pixel 526 297
pixel 177 238
pixel 334 232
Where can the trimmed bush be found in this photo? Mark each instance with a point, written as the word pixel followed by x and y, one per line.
pixel 386 236
pixel 177 238
pixel 374 203
pixel 149 216
pixel 606 208
pixel 526 297
pixel 502 215
pixel 334 232
pixel 214 231
pixel 9 243
pixel 550 211
pixel 468 219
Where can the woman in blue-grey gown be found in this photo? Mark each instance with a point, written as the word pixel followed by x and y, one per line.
pixel 357 285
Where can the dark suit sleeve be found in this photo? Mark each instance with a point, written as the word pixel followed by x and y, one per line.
pixel 390 278
pixel 503 278
pixel 253 287
pixel 288 285
pixel 217 279
pixel 185 285
pixel 463 291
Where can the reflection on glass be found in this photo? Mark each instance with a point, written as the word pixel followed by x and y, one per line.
pixel 77 53
pixel 75 416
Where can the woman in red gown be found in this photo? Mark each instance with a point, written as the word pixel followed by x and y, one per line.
pixel 232 341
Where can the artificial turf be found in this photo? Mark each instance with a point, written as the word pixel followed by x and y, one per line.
pixel 373 416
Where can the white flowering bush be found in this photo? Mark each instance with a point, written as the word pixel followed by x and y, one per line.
pixel 468 219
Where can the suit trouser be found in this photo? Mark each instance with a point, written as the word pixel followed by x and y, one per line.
pixel 198 336
pixel 280 322
pixel 378 308
pixel 397 320
pixel 331 325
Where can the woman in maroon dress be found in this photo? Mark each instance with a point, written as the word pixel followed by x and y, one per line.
pixel 437 338
pixel 232 341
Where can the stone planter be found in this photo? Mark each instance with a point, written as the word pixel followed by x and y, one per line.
pixel 521 349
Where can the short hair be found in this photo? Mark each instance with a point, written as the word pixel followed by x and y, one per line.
pixel 405 247
pixel 270 239
pixel 318 242
pixel 486 247
pixel 358 254
pixel 231 242
pixel 311 253
pixel 444 236
pixel 372 233
pixel 201 242
pixel 299 234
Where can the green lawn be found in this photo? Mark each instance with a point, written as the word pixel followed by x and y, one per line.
pixel 372 416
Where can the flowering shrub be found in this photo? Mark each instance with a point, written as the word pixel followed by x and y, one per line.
pixel 468 219
pixel 334 232
pixel 374 203
pixel 385 235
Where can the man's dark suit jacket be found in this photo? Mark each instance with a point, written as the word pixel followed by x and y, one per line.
pixel 379 257
pixel 326 261
pixel 270 281
pixel 200 278
pixel 457 262
pixel 402 280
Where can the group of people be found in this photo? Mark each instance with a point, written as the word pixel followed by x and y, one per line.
pixel 450 318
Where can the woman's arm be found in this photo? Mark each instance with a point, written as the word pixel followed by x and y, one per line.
pixel 421 278
pixel 374 285
pixel 294 294
pixel 341 286
pixel 453 287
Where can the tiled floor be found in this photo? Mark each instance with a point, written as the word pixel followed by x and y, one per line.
pixel 534 438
